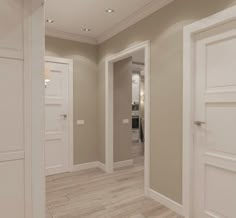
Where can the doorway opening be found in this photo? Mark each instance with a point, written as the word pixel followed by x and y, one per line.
pixel 136 120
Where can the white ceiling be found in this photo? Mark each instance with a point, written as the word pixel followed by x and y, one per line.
pixel 72 16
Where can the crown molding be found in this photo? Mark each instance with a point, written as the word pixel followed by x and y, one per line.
pixel 70 36
pixel 149 9
pixel 133 19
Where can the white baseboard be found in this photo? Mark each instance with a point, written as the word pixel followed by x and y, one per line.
pixel 89 165
pixel 124 163
pixel 101 166
pixel 85 166
pixel 176 207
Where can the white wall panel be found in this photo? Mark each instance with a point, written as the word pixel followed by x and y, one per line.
pixel 20 25
pixel 12 189
pixel 11 108
pixel 11 24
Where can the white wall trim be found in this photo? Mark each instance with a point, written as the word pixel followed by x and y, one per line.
pixel 9 156
pixel 85 166
pixel 109 108
pixel 142 13
pixel 35 153
pixel 70 106
pixel 174 206
pixel 149 9
pixel 70 36
pixel 188 95
pixel 90 165
pixel 28 110
pixel 124 163
pixel 101 166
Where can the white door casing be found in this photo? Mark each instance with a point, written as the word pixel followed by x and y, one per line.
pixel 58 116
pixel 21 66
pixel 210 117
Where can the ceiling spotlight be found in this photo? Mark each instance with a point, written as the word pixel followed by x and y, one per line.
pixel 49 21
pixel 110 10
pixel 87 29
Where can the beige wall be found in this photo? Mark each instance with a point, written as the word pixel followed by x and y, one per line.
pixel 122 109
pixel 85 87
pixel 165 31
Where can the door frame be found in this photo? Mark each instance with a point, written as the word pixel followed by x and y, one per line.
pixel 109 156
pixel 188 99
pixel 70 107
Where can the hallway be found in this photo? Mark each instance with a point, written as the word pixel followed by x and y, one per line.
pixel 95 194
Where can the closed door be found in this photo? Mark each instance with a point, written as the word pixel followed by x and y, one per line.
pixel 215 123
pixel 56 118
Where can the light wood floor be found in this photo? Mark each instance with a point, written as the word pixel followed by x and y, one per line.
pixel 95 194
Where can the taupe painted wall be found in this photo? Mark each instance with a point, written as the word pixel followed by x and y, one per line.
pixel 165 31
pixel 122 98
pixel 85 100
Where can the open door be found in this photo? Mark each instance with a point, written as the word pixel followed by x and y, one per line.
pixel 122 110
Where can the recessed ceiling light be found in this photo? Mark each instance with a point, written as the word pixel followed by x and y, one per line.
pixel 49 21
pixel 87 29
pixel 110 10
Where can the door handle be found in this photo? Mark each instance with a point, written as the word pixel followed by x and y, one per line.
pixel 199 123
pixel 64 116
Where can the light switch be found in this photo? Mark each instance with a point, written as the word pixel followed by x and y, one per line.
pixel 80 122
pixel 126 121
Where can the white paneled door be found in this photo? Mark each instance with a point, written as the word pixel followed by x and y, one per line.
pixel 56 117
pixel 215 123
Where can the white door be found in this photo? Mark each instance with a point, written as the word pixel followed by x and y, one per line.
pixel 215 123
pixel 56 117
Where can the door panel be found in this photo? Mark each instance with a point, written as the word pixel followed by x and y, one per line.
pixel 215 138
pixel 218 138
pixel 122 109
pixel 53 116
pixel 215 177
pixel 221 58
pixel 56 122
